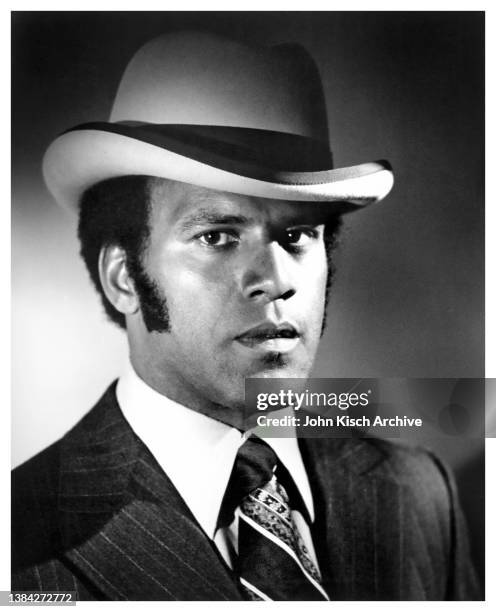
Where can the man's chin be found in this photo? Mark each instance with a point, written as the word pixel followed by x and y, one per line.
pixel 277 365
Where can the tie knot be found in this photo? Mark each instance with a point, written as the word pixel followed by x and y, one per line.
pixel 253 468
pixel 254 465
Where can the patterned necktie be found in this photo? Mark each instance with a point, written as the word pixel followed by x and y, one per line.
pixel 273 562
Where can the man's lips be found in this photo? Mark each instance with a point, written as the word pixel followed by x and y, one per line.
pixel 281 337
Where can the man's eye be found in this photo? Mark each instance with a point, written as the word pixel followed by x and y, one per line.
pixel 217 239
pixel 299 237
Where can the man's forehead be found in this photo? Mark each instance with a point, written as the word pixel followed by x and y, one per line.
pixel 185 204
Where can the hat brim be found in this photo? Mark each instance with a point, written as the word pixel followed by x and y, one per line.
pixel 92 153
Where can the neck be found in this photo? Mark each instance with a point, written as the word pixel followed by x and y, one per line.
pixel 175 387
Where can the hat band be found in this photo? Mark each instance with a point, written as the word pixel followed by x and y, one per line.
pixel 260 154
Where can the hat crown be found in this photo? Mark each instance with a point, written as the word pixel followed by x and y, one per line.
pixel 194 78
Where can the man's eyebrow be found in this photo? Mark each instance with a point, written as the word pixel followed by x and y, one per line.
pixel 209 217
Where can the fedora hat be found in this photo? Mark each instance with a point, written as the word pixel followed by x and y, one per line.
pixel 209 111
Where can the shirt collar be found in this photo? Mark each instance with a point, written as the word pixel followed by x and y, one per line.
pixel 195 451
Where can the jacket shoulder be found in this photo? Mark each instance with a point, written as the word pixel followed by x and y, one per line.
pixel 34 494
pixel 426 483
pixel 35 491
pixel 393 459
pixel 405 462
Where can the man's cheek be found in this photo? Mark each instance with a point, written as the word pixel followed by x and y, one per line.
pixel 196 315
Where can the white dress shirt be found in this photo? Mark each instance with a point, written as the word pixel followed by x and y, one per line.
pixel 197 453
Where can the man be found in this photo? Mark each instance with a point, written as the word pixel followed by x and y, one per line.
pixel 208 207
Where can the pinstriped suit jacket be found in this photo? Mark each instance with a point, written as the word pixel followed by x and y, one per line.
pixel 94 513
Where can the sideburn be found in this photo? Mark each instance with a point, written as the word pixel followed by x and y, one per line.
pixel 153 304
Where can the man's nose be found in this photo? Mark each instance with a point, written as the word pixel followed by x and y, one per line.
pixel 269 274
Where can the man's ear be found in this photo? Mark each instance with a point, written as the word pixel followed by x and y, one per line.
pixel 117 285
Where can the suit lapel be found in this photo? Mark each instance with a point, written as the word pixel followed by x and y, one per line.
pixel 125 527
pixel 378 533
pixel 361 555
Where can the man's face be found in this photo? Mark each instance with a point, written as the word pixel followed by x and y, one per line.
pixel 244 279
